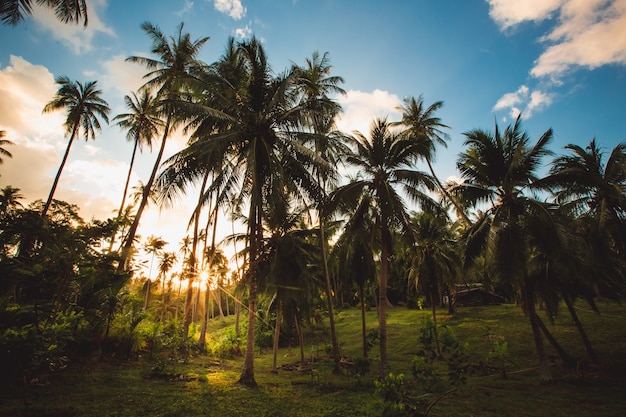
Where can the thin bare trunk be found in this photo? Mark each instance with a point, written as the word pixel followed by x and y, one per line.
pixel 363 323
pixel 58 175
pixel 276 334
pixel 121 209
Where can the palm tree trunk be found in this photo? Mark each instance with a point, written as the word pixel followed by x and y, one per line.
pixel 583 335
pixel 329 300
pixel 544 371
pixel 566 359
pixel 296 321
pixel 382 300
pixel 205 319
pixel 58 175
pixel 363 323
pixel 130 170
pixel 128 243
pixel 433 306
pixel 255 233
pixel 276 333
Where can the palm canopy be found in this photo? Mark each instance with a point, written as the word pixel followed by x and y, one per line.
pixel 385 165
pixel 12 12
pixel 501 171
pixel 3 143
pixel 589 185
pixel 175 58
pixel 142 122
pixel 84 105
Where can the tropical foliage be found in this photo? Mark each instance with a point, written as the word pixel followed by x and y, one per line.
pixel 263 148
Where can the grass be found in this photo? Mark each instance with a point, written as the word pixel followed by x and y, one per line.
pixel 119 389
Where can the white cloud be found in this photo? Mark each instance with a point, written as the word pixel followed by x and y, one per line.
pixel 585 34
pixel 232 8
pixel 361 109
pixel 507 13
pixel 523 101
pixel 243 33
pixel 75 36
pixel 188 6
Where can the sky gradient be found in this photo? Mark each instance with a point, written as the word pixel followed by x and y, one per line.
pixel 561 63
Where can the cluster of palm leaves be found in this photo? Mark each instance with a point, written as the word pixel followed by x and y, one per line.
pixel 264 145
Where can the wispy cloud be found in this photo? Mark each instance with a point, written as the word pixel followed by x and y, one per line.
pixel 76 37
pixel 232 8
pixel 186 7
pixel 243 33
pixel 586 34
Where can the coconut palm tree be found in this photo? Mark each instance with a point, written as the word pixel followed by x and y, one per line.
pixel 316 84
pixel 434 265
pixel 421 124
pixel 245 133
pixel 593 192
pixel 3 143
pixel 84 106
pixel 9 199
pixel 385 162
pixel 176 59
pixel 153 246
pixel 142 124
pixel 499 170
pixel 12 12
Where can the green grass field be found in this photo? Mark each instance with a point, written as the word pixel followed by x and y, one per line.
pixel 206 386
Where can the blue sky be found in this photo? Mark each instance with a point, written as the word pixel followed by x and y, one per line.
pixel 562 63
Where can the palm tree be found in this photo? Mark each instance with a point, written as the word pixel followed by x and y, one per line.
pixel 593 193
pixel 142 124
pixel 3 143
pixel 153 246
pixel 316 83
pixel 245 134
pixel 385 163
pixel 499 169
pixel 177 58
pixel 421 125
pixel 84 105
pixel 13 12
pixel 9 199
pixel 435 261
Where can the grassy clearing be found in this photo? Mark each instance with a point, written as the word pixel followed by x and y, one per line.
pixel 207 388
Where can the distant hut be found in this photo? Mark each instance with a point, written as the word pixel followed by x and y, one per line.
pixel 475 295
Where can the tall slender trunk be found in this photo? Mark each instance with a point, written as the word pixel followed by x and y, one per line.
pixel 583 335
pixel 566 359
pixel 300 334
pixel 58 175
pixel 363 323
pixel 279 313
pixel 329 298
pixel 121 209
pixel 544 371
pixel 382 300
pixel 128 243
pixel 205 319
pixel 433 306
pixel 255 233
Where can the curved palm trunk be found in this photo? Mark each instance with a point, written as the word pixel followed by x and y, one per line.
pixel 445 192
pixel 544 371
pixel 130 170
pixel 583 335
pixel 58 175
pixel 205 319
pixel 128 243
